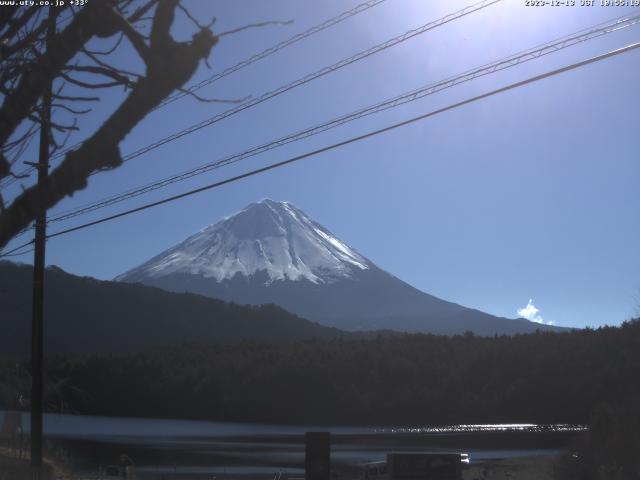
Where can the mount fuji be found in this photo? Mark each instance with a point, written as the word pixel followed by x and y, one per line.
pixel 272 252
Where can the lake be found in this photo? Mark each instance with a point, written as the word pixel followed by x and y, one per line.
pixel 200 449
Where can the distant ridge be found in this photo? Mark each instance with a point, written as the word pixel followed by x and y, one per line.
pixel 272 252
pixel 85 315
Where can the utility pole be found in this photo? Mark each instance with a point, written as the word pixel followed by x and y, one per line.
pixel 37 356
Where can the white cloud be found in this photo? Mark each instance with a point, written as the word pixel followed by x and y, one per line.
pixel 531 312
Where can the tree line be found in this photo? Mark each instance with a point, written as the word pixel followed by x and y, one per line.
pixel 390 379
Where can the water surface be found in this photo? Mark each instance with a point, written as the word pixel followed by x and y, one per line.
pixel 200 449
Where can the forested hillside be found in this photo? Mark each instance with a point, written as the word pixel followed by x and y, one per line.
pixel 87 315
pixel 409 379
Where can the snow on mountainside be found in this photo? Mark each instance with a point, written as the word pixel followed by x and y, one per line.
pixel 271 252
pixel 267 236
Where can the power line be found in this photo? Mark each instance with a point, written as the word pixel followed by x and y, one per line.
pixel 359 56
pixel 259 56
pixel 312 76
pixel 17 254
pixel 276 48
pixel 301 81
pixel 345 142
pixel 240 65
pixel 510 61
pixel 355 139
pixel 11 253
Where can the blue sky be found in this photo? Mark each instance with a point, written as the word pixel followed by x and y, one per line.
pixel 530 195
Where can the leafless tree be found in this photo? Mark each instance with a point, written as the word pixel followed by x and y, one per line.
pixel 30 59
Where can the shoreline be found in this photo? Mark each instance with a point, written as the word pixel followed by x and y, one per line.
pixel 539 467
pixel 14 468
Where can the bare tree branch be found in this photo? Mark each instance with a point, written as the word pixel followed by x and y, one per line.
pixel 169 65
pixel 76 98
pixel 64 46
pixel 17 23
pixel 194 20
pixel 140 12
pixel 109 51
pixel 107 72
pixel 111 68
pixel 80 83
pixel 69 109
pixel 6 16
pixel 25 41
pixel 135 37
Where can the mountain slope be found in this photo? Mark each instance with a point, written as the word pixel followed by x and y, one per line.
pixel 87 315
pixel 272 252
pixel 271 237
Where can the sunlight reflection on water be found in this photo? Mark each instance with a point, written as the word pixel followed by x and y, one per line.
pixel 213 448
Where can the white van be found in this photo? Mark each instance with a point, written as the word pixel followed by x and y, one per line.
pixel 425 466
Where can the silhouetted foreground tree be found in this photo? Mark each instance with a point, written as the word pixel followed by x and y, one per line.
pixel 611 448
pixel 27 67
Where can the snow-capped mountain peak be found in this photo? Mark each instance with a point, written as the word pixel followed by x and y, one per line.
pixel 272 253
pixel 267 236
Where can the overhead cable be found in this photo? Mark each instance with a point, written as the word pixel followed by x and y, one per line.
pixel 510 61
